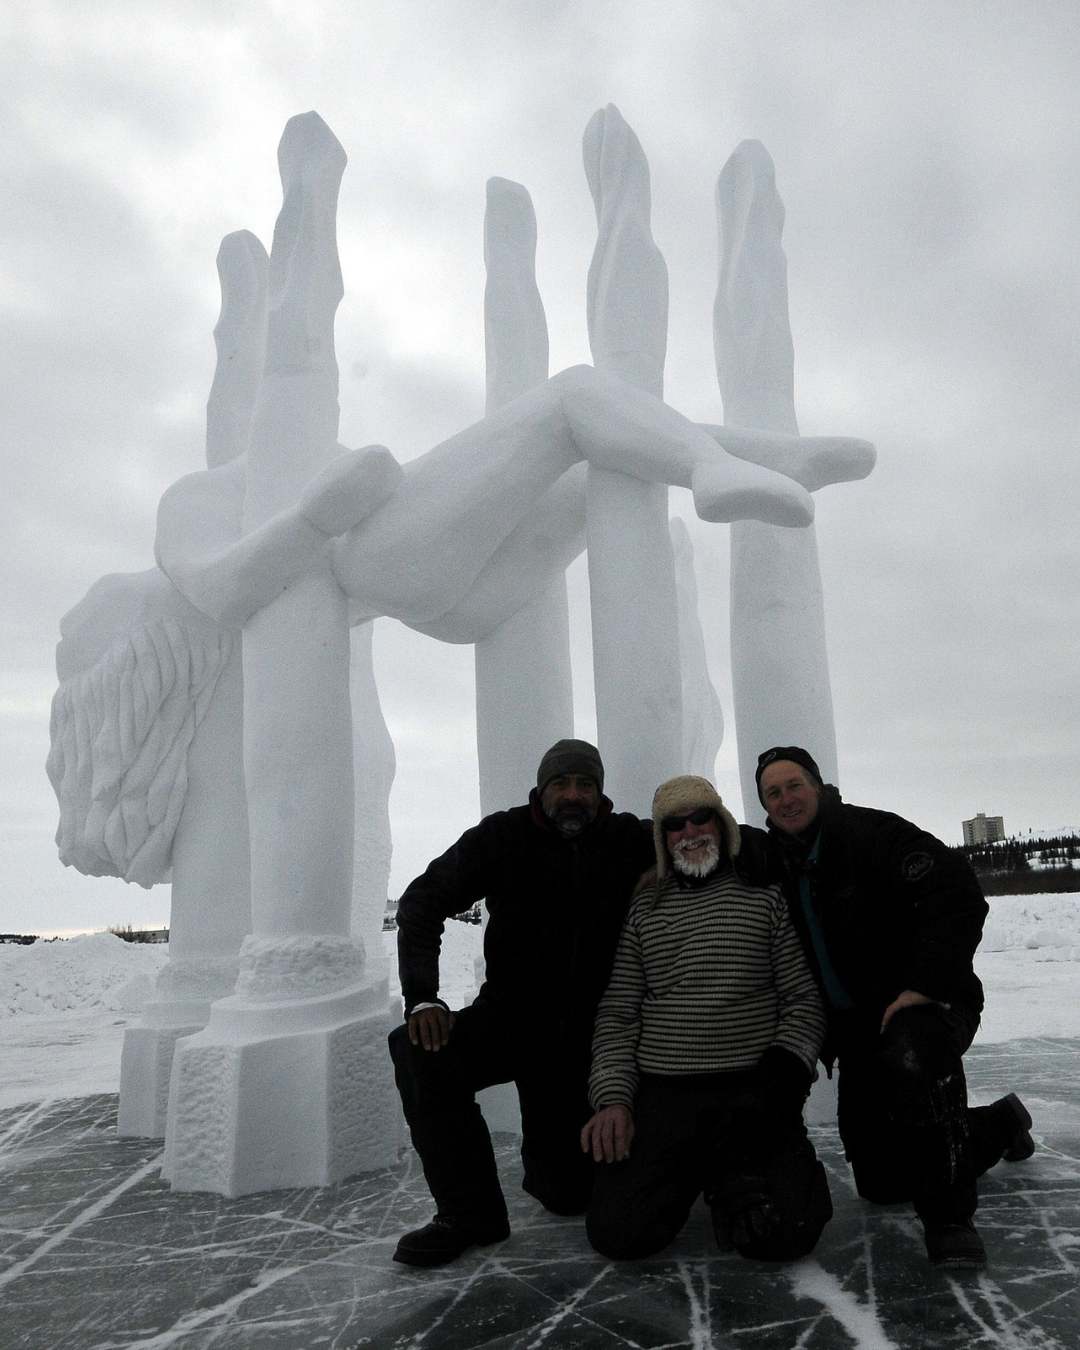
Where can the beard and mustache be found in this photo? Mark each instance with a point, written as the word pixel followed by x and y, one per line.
pixel 696 858
pixel 569 818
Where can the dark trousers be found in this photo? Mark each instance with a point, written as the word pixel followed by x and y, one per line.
pixel 903 1116
pixel 438 1095
pixel 688 1139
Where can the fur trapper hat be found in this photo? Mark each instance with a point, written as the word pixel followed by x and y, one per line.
pixel 679 797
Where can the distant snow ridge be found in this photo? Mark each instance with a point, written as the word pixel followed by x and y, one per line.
pixel 94 971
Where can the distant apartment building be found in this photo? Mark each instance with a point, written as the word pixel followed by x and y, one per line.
pixel 984 829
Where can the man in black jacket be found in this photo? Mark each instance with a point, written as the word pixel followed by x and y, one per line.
pixel 891 919
pixel 556 875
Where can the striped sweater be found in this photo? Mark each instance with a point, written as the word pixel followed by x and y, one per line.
pixel 705 979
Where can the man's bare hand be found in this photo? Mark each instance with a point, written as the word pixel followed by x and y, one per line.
pixel 431 1027
pixel 609 1134
pixel 910 998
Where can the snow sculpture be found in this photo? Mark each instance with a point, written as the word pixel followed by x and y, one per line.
pixel 291 538
pixel 300 972
pixel 777 608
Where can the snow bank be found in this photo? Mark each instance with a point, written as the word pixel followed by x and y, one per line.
pixel 1049 924
pixel 97 970
pixel 66 1005
pixel 101 971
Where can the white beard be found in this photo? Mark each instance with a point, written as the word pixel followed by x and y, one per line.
pixel 700 863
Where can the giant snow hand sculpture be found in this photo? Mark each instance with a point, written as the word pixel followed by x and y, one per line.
pixel 292 538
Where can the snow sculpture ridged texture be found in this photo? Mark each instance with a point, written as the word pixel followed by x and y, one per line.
pixel 120 735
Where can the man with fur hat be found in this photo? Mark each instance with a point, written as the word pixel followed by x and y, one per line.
pixel 704 1052
pixel 556 876
pixel 890 919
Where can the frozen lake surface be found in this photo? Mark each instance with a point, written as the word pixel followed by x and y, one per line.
pixel 96 1253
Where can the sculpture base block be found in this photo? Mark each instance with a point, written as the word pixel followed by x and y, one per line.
pixel 146 1067
pixel 293 1093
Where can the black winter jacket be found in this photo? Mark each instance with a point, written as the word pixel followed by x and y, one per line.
pixel 897 909
pixel 556 908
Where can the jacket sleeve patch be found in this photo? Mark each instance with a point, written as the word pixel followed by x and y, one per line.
pixel 914 866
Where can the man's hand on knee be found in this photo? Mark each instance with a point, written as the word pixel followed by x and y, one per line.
pixel 910 998
pixel 608 1135
pixel 430 1027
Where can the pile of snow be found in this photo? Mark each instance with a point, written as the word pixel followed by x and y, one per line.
pixel 1047 924
pixel 97 970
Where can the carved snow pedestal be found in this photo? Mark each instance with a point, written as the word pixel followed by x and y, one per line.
pixel 285 1091
pixel 177 1010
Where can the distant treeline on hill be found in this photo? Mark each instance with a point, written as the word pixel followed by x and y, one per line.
pixel 129 934
pixel 1026 866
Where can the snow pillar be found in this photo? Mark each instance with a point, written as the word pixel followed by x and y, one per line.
pixel 211 890
pixel 631 570
pixel 272 1092
pixel 780 668
pixel 531 649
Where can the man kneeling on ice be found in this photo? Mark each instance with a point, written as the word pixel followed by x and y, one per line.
pixel 704 1052
pixel 556 875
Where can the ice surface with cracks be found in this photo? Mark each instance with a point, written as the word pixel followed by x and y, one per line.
pixel 304 1266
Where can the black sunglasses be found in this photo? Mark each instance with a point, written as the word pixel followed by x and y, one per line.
pixel 702 816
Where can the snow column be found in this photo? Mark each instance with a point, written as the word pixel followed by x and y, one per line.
pixel 374 764
pixel 780 669
pixel 631 570
pixel 524 697
pixel 272 1093
pixel 703 717
pixel 211 893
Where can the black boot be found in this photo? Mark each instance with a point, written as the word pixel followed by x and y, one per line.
pixel 1016 1121
pixel 445 1238
pixel 955 1245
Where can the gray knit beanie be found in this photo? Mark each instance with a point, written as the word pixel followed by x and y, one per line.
pixel 795 754
pixel 570 757
pixel 679 797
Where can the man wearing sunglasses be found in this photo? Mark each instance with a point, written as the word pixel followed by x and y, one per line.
pixel 704 1051
pixel 890 919
pixel 556 876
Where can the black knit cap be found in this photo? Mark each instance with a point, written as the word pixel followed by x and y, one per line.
pixel 796 754
pixel 570 757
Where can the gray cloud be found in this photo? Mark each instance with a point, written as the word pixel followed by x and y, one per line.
pixel 928 157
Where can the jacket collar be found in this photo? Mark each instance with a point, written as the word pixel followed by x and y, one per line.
pixel 541 821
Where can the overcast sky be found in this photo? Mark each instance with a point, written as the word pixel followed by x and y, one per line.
pixel 928 156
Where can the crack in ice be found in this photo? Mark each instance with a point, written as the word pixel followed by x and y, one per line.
pixel 84 1217
pixel 861 1322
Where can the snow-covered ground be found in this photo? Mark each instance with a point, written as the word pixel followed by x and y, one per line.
pixel 64 1005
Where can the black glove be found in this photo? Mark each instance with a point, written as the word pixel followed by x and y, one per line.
pixel 771 1099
